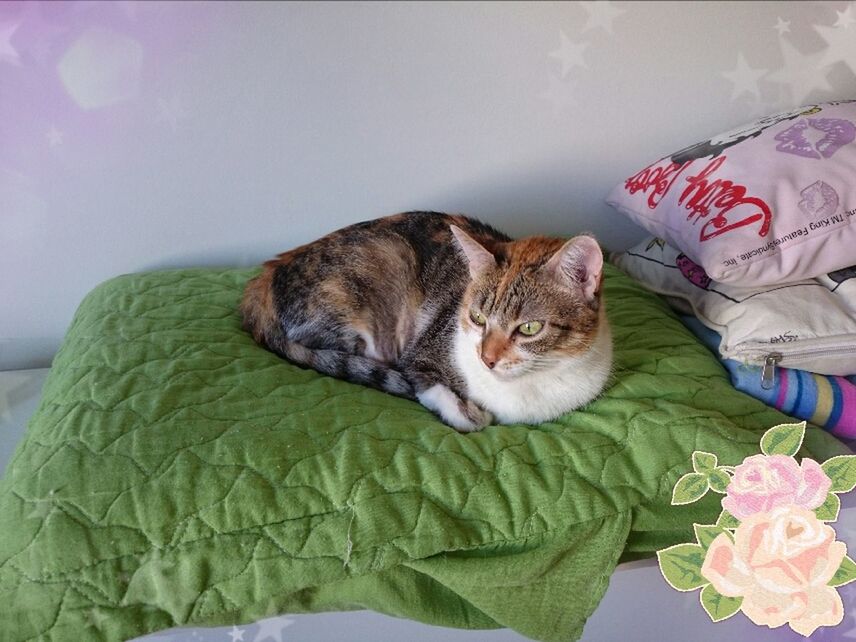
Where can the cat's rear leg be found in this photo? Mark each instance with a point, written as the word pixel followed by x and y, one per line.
pixel 462 415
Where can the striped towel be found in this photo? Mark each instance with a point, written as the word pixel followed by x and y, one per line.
pixel 824 400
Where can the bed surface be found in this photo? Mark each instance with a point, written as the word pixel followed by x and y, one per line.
pixel 620 615
pixel 233 472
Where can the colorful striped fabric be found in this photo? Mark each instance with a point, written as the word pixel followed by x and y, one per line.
pixel 823 400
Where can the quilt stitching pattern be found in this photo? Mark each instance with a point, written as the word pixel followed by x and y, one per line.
pixel 175 472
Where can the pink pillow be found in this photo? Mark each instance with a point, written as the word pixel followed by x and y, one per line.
pixel 767 203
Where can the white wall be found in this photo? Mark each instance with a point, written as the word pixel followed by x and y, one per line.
pixel 139 136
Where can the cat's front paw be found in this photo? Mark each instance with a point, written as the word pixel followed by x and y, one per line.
pixel 463 416
pixel 476 416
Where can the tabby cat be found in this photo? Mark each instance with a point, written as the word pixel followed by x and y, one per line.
pixel 443 309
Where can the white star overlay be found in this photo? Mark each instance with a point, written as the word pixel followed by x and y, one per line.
pixel 569 53
pixel 237 634
pixel 37 36
pixel 95 618
pixel 745 79
pixel 272 628
pixel 54 137
pixel 846 17
pixel 782 26
pixel 171 111
pixel 8 53
pixel 841 46
pixel 559 94
pixel 601 14
pixel 42 510
pixel 800 72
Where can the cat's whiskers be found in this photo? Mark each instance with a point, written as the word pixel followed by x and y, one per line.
pixel 405 303
pixel 523 367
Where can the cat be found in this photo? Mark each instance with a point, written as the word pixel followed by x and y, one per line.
pixel 442 309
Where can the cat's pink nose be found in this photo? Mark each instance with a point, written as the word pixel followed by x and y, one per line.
pixel 492 348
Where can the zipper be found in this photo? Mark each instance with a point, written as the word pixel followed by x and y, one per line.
pixel 772 359
pixel 768 372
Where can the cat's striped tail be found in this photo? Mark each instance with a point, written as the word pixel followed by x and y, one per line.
pixel 355 368
pixel 261 320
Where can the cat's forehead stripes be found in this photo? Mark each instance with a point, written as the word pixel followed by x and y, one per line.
pixel 518 262
pixel 526 256
pixel 487 303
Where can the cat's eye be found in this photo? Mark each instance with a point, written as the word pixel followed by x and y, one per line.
pixel 477 317
pixel 530 328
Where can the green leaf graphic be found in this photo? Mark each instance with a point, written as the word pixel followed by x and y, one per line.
pixel 703 462
pixel 689 488
pixel 681 566
pixel 718 480
pixel 705 534
pixel 718 606
pixel 784 439
pixel 727 520
pixel 842 471
pixel 828 510
pixel 845 574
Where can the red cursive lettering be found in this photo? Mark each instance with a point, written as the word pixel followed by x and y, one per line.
pixel 660 179
pixel 704 195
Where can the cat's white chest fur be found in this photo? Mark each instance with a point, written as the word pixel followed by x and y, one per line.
pixel 537 396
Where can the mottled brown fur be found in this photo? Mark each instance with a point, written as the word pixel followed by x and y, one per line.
pixel 257 304
pixel 380 302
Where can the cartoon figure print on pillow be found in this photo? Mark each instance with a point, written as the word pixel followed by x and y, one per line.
pixel 845 274
pixel 766 203
pixel 717 144
pixel 692 272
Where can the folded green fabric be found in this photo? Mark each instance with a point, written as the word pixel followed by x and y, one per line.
pixel 176 473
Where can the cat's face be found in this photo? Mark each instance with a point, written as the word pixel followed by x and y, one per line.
pixel 530 304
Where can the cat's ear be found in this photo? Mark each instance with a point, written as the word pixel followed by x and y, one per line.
pixel 579 262
pixel 479 259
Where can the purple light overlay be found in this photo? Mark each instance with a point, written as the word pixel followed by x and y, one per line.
pixel 80 78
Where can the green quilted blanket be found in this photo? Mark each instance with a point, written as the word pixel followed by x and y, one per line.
pixel 177 473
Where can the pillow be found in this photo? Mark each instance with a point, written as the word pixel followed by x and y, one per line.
pixel 824 400
pixel 177 473
pixel 806 325
pixel 765 203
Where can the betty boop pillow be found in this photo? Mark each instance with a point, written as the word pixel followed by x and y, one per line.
pixel 766 203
